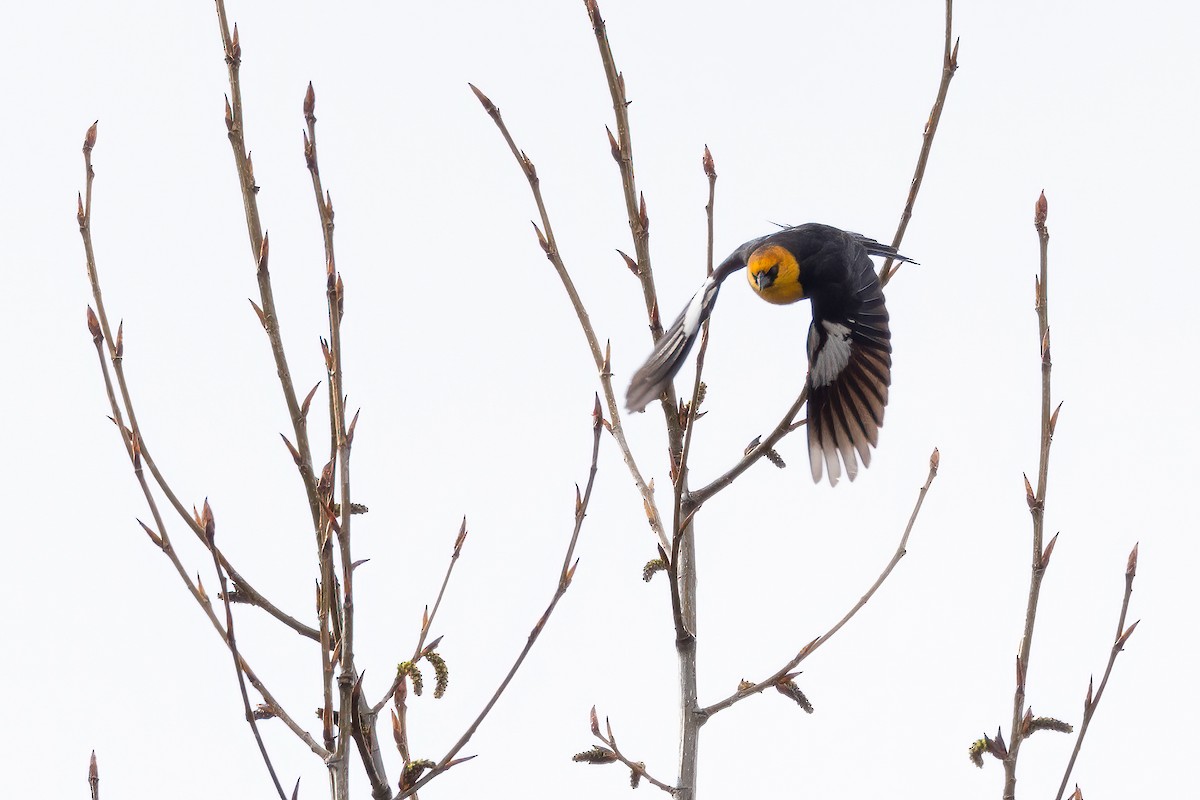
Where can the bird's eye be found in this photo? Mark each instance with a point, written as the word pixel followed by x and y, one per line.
pixel 773 273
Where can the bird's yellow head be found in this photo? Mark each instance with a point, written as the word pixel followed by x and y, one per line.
pixel 775 275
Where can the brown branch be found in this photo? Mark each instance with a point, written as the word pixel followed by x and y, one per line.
pixel 259 250
pixel 428 617
pixel 1035 499
pixel 812 646
pixel 614 754
pixel 635 206
pixel 702 495
pixel 949 66
pixel 1090 703
pixel 210 529
pixel 564 581
pixel 135 448
pixel 601 358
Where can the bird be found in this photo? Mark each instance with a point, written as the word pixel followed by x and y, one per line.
pixel 849 343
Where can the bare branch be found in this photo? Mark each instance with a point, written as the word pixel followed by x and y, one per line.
pixel 603 367
pixel 1036 500
pixel 1122 636
pixel 949 66
pixel 564 582
pixel 210 528
pixel 810 648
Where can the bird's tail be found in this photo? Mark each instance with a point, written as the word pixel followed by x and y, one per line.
pixel 875 248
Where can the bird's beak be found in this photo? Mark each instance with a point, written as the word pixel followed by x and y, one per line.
pixel 763 279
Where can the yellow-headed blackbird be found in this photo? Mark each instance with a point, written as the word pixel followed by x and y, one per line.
pixel 849 343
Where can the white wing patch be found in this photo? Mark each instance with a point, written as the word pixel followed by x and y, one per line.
pixel 692 315
pixel 829 359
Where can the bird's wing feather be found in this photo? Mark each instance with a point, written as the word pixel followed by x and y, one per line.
pixel 850 369
pixel 653 377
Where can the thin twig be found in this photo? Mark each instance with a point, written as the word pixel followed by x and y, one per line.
pixel 812 646
pixel 1090 703
pixel 601 358
pixel 564 581
pixel 702 495
pixel 210 528
pixel 949 66
pixel 428 617
pixel 635 206
pixel 610 742
pixel 131 437
pixel 1035 499
pixel 235 123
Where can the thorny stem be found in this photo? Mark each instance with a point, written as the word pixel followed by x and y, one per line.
pixel 564 582
pixel 1037 504
pixel 1089 705
pixel 812 646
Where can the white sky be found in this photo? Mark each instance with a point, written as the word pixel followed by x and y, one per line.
pixel 476 386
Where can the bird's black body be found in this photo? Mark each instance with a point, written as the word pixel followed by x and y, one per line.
pixel 848 344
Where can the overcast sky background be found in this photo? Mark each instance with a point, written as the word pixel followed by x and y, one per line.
pixel 476 386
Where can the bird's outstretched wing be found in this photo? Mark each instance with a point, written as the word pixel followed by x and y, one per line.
pixel 849 366
pixel 655 375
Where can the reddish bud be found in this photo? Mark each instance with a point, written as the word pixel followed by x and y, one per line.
pixel 1131 564
pixel 308 399
pixel 94 326
pixel 120 339
pixel 461 538
pixel 154 537
pixel 264 252
pixel 210 524
pixel 613 147
pixel 935 460
pixel 488 105
pixel 310 103
pixel 89 138
pixel 629 262
pixel 1054 418
pixel 594 721
pixel 710 168
pixel 545 245
pixel 1039 211
pixel 295 453
pixel 262 318
pixel 1124 637
pixel 1048 551
pixel 643 217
